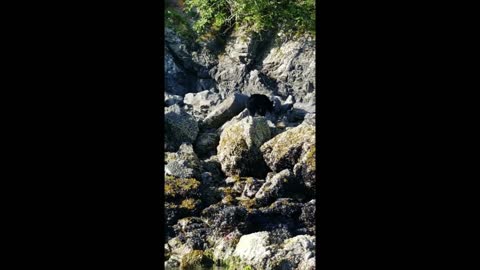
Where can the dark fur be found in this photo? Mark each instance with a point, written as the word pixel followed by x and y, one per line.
pixel 259 104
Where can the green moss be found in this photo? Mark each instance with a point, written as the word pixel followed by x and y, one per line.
pixel 283 143
pixel 180 186
pixel 192 259
pixel 196 259
pixel 248 203
pixel 189 204
pixel 310 158
pixel 228 199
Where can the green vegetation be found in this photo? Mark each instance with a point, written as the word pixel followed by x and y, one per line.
pixel 292 16
pixel 180 186
pixel 188 204
pixel 174 19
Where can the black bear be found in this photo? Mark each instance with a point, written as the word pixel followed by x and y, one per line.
pixel 259 104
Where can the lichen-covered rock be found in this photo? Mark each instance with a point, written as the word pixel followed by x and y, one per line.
pixel 290 63
pixel 310 119
pixel 224 111
pixel 273 188
pixel 181 187
pixel 201 102
pixel 223 247
pixel 206 144
pixel 258 251
pixel 239 147
pixel 297 254
pixel 184 163
pixel 305 169
pixel 180 127
pixel 253 250
pixel 287 148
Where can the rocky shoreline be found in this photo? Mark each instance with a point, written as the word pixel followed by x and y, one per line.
pixel 240 189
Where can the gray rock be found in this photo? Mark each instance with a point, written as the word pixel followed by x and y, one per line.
pixel 172 99
pixel 286 149
pixel 239 147
pixel 180 127
pixel 223 112
pixel 309 119
pixel 185 164
pixel 273 188
pixel 252 186
pixel 206 144
pixel 297 253
pixel 201 101
pixel 254 250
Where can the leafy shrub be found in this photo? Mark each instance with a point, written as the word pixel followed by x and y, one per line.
pixel 292 16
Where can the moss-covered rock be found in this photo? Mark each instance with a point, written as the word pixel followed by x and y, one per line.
pixel 181 187
pixel 180 127
pixel 286 149
pixel 273 188
pixel 305 169
pixel 184 163
pixel 239 147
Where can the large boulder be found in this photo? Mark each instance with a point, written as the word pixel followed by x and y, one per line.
pixel 201 102
pixel 180 127
pixel 223 112
pixel 259 251
pixel 286 149
pixel 239 147
pixel 253 250
pixel 291 65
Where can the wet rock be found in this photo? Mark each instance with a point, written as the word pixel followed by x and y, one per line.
pixel 223 112
pixel 239 147
pixel 286 149
pixel 180 127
